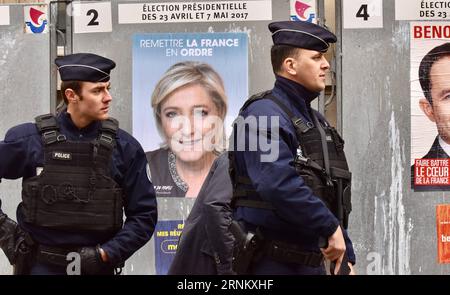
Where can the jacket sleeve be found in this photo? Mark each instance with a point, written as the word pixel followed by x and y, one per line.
pixel 273 176
pixel 20 152
pixel 218 215
pixel 140 209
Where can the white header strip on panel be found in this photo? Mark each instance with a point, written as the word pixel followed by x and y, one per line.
pixel 422 10
pixel 179 12
pixel 4 15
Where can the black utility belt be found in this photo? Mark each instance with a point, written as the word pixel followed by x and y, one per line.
pixel 54 255
pixel 290 253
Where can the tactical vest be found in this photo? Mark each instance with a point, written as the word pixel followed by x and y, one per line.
pixel 320 162
pixel 74 191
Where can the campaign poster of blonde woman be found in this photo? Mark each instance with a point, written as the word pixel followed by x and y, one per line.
pixel 187 90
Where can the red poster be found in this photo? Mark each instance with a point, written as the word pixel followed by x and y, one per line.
pixel 443 233
pixel 431 172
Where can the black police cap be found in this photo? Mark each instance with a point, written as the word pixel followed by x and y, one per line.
pixel 84 67
pixel 301 34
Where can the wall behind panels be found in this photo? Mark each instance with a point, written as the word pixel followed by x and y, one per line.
pixel 24 93
pixel 393 228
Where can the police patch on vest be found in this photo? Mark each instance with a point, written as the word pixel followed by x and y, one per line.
pixel 62 156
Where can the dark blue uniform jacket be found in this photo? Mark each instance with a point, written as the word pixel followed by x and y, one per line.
pixel 22 152
pixel 299 217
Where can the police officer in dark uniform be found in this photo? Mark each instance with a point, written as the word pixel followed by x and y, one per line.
pixel 81 173
pixel 291 200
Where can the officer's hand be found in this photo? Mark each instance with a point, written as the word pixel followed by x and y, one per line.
pixel 336 247
pixel 91 261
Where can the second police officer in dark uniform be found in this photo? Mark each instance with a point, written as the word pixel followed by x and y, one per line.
pixel 285 203
pixel 80 174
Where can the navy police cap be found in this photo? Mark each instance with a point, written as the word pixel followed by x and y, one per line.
pixel 301 34
pixel 84 67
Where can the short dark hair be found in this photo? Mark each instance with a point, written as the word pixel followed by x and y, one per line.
pixel 74 85
pixel 427 62
pixel 279 53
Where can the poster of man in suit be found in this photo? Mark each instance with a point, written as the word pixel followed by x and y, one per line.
pixel 430 106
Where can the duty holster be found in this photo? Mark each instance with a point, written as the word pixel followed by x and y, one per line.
pixel 342 185
pixel 16 244
pixel 25 256
pixel 247 245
